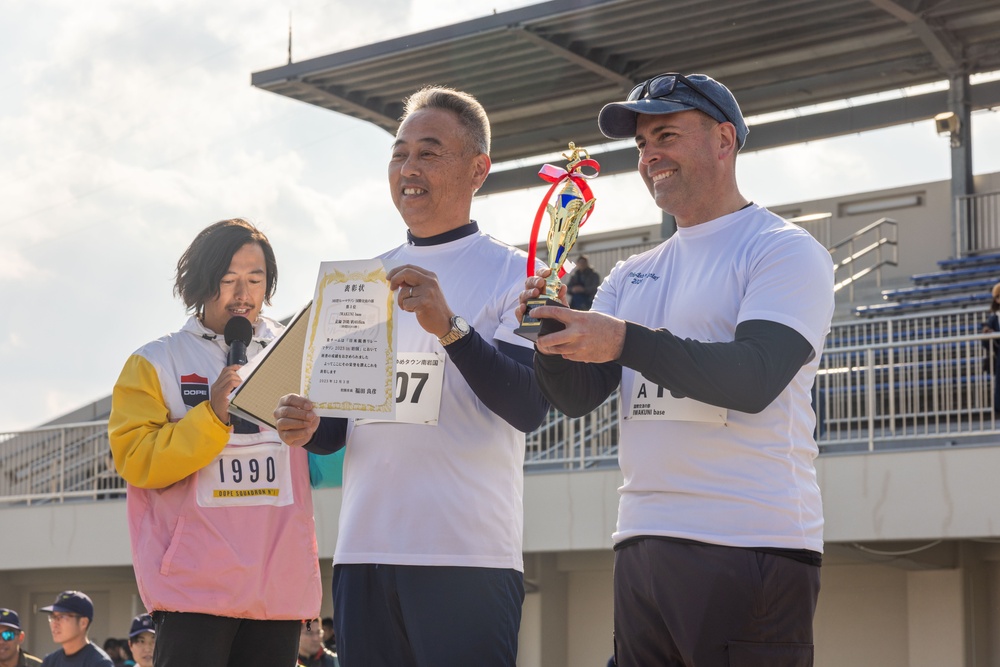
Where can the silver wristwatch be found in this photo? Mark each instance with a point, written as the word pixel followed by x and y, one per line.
pixel 459 329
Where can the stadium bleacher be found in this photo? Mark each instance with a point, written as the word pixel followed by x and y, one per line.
pixel 961 283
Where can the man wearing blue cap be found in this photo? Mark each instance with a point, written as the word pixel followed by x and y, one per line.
pixel 142 640
pixel 11 638
pixel 69 620
pixel 714 337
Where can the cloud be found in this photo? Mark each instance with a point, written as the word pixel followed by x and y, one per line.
pixel 128 127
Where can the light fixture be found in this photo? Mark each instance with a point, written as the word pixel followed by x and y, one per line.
pixel 948 123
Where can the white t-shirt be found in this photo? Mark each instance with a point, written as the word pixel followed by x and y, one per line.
pixel 449 494
pixel 749 480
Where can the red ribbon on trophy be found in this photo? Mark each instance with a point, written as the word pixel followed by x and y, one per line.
pixel 575 188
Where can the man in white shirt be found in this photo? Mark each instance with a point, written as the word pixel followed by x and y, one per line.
pixel 714 337
pixel 428 568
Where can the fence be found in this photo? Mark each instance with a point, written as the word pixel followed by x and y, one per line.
pixel 905 382
pixel 890 383
pixel 58 463
pixel 977 218
pixel 863 253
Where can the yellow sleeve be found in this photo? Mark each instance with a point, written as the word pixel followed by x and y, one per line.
pixel 150 451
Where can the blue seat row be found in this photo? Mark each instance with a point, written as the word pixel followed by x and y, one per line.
pixel 893 308
pixel 937 289
pixel 971 260
pixel 984 271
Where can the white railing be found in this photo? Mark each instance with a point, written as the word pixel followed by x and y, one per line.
pixel 889 383
pixel 863 253
pixel 58 463
pixel 977 220
pixel 905 381
pixel 819 226
pixel 565 443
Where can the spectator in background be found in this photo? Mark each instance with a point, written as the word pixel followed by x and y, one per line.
pixel 582 285
pixel 142 640
pixel 329 636
pixel 113 648
pixel 11 638
pixel 312 653
pixel 70 617
pixel 992 362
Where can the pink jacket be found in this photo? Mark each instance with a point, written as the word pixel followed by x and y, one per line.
pixel 221 523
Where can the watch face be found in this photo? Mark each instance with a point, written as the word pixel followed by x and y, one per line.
pixel 459 323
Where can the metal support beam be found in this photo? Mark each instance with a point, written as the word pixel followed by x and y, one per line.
pixel 573 57
pixel 799 130
pixel 946 53
pixel 322 97
pixel 959 103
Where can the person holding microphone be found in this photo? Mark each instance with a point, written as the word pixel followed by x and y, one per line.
pixel 220 511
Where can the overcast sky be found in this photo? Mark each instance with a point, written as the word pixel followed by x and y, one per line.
pixel 126 127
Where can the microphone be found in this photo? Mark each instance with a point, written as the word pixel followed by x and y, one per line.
pixel 238 334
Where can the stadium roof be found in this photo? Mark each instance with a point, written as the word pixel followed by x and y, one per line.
pixel 543 71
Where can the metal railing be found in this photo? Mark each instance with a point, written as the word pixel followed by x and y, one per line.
pixel 567 443
pixel 864 252
pixel 819 226
pixel 977 218
pixel 58 463
pixel 889 383
pixel 905 382
pixel 604 260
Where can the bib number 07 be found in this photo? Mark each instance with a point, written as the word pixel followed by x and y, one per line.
pixel 403 386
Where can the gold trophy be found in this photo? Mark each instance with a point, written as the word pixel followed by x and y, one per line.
pixel 570 208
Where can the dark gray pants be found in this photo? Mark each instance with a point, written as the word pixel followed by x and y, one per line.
pixel 683 604
pixel 202 640
pixel 426 616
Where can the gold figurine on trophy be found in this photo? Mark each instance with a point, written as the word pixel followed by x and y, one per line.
pixel 570 208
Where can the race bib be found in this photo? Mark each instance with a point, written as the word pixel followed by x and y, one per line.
pixel 648 400
pixel 419 382
pixel 247 475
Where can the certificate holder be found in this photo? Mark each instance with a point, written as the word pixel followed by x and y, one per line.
pixel 348 361
pixel 276 371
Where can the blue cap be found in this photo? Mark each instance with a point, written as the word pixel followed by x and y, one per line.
pixel 72 602
pixel 617 120
pixel 10 618
pixel 140 624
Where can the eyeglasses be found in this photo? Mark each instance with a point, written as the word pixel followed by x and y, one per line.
pixel 56 617
pixel 663 85
pixel 9 635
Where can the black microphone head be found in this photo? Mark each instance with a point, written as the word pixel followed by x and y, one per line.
pixel 238 328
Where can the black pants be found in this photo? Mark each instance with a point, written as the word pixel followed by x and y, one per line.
pixel 202 640
pixel 426 616
pixel 680 604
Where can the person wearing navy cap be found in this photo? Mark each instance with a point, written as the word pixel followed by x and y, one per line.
pixel 714 338
pixel 69 620
pixel 11 638
pixel 142 640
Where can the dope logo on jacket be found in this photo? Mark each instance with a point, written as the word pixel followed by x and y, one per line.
pixel 194 389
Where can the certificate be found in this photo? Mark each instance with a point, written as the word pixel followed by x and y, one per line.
pixel 348 361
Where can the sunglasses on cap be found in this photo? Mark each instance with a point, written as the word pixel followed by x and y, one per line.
pixel 663 86
pixel 9 635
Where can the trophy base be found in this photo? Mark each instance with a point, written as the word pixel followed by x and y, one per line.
pixel 533 327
